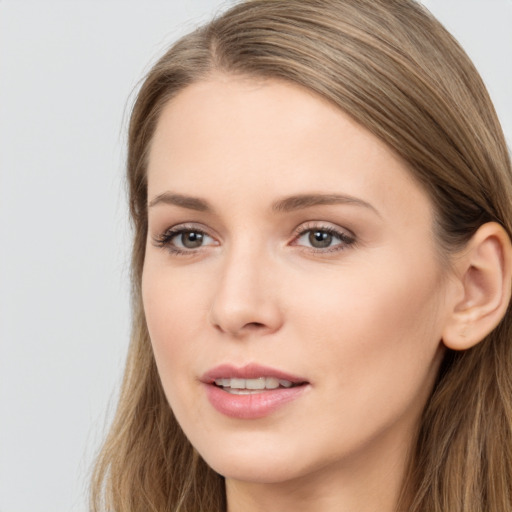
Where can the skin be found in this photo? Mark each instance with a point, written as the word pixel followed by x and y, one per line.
pixel 360 321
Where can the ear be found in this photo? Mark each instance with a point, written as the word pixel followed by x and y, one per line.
pixel 483 281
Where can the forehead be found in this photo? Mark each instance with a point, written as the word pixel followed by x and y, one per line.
pixel 257 139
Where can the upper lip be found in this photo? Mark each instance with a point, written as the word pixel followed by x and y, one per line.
pixel 249 371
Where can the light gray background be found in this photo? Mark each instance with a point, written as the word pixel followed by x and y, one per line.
pixel 67 74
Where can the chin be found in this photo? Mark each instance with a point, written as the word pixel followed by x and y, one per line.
pixel 257 463
pixel 255 471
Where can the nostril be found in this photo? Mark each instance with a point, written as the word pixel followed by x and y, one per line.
pixel 251 326
pixel 254 325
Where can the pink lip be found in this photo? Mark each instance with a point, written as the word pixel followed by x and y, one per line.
pixel 250 371
pixel 253 406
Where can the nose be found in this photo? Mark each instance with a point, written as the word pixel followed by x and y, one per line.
pixel 246 296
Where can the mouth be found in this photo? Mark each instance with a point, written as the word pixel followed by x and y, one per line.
pixel 253 391
pixel 251 379
pixel 240 386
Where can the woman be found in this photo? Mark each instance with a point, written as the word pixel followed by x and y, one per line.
pixel 321 194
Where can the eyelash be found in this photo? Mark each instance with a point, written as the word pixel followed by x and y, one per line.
pixel 345 239
pixel 164 240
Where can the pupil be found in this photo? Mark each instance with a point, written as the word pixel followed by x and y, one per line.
pixel 192 240
pixel 320 239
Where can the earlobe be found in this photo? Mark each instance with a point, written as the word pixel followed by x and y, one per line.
pixel 484 274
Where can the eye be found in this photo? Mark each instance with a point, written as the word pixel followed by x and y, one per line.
pixel 323 238
pixel 320 239
pixel 183 240
pixel 190 239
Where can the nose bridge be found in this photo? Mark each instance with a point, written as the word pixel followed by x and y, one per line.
pixel 244 300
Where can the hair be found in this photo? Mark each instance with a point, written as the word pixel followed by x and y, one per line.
pixel 392 67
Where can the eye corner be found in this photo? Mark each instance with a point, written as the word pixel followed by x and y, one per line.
pixel 173 239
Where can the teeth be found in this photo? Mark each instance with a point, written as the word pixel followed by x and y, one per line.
pixel 252 384
pixel 237 383
pixel 272 383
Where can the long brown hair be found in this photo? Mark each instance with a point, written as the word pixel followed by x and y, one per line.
pixel 392 67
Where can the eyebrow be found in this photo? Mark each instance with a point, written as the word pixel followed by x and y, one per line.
pixel 188 202
pixel 286 205
pixel 299 202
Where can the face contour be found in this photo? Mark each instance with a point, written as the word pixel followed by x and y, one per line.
pixel 290 247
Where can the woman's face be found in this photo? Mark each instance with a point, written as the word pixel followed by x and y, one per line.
pixel 288 249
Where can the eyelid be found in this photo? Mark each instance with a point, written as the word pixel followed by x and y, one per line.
pixel 322 225
pixel 345 236
pixel 164 239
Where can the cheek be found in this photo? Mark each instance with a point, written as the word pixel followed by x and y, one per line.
pixel 373 330
pixel 171 307
pixel 372 347
pixel 171 310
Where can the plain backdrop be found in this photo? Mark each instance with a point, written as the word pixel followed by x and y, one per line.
pixel 68 72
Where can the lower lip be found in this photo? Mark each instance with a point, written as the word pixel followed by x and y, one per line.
pixel 253 406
